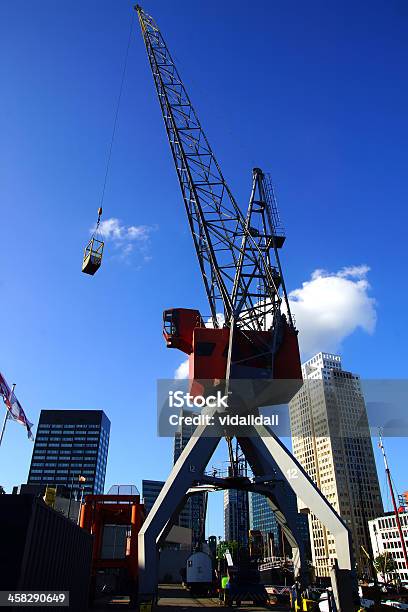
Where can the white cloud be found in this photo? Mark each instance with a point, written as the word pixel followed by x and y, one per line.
pixel 220 320
pixel 327 308
pixel 331 306
pixel 126 238
pixel 182 371
pixel 354 271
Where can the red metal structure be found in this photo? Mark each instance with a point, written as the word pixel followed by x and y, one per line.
pixel 251 355
pixel 100 511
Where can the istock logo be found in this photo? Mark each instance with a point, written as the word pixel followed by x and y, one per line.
pixel 178 399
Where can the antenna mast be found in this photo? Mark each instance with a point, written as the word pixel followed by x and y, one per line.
pixel 397 518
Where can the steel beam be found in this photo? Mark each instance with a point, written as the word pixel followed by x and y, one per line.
pixel 266 455
pixel 262 463
pixel 186 471
pixel 272 449
pixel 272 489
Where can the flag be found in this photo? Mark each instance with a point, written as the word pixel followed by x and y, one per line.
pixel 14 407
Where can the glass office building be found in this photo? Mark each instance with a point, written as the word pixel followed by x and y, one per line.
pixel 236 516
pixel 69 444
pixel 262 518
pixel 150 492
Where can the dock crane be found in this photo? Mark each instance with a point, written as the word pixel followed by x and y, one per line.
pixel 250 347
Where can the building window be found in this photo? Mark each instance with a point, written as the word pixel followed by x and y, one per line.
pixel 114 541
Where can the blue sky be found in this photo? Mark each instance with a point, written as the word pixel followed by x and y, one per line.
pixel 315 93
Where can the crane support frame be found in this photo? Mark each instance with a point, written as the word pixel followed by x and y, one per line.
pixel 266 455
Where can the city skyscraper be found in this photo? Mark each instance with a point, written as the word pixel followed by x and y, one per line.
pixel 69 444
pixel 236 516
pixel 150 492
pixel 262 519
pixel 236 510
pixel 331 440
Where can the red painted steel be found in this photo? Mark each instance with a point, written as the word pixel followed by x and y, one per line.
pixel 101 510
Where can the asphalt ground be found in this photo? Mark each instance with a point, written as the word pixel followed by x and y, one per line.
pixel 173 597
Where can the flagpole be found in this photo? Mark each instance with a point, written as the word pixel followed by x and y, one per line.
pixel 70 495
pixel 397 517
pixel 80 504
pixel 6 418
pixel 4 426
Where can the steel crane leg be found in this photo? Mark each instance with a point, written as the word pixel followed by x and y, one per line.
pixel 266 455
pixel 268 446
pixel 271 448
pixel 187 470
pixel 262 465
pixel 278 502
pixel 270 486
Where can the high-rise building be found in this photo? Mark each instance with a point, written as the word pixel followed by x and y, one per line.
pixel 150 492
pixel 262 519
pixel 192 516
pixel 69 444
pixel 178 537
pixel 236 516
pixel 236 511
pixel 331 440
pixel 302 522
pixel 385 539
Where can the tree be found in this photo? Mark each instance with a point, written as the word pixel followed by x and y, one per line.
pixel 2 491
pixel 385 565
pixel 223 546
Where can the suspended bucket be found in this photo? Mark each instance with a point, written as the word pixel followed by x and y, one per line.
pixel 92 256
pixel 93 251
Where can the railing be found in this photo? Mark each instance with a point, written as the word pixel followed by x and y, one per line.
pixel 94 248
pixel 275 562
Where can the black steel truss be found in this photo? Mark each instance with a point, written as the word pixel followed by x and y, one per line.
pixel 238 256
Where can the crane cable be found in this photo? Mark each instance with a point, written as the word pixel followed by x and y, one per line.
pixel 117 110
pixel 97 233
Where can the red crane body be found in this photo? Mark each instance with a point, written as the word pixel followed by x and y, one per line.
pixel 207 348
